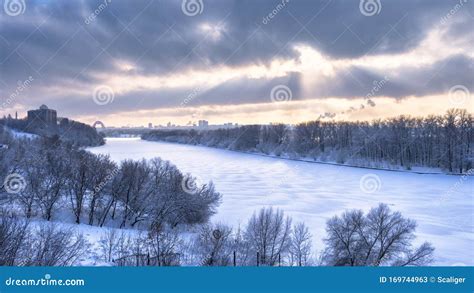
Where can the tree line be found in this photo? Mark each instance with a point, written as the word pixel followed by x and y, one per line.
pixel 441 141
pixel 55 176
pixel 379 238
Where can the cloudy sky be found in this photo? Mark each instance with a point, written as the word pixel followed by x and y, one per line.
pixel 246 61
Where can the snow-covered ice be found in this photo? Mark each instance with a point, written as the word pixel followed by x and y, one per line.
pixel 441 204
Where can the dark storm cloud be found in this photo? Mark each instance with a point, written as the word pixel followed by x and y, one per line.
pixel 237 91
pixel 417 81
pixel 59 43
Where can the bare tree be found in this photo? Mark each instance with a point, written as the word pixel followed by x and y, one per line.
pixel 268 233
pixel 104 172
pixel 214 245
pixel 300 248
pixel 173 205
pixel 381 237
pixel 163 246
pixel 54 246
pixel 13 234
pixel 135 193
pixel 78 183
pixel 109 244
pixel 46 178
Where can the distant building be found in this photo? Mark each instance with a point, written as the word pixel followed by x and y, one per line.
pixel 203 123
pixel 44 115
pixel 150 125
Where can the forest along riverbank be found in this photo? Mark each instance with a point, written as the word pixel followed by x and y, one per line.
pixel 442 142
pixel 312 193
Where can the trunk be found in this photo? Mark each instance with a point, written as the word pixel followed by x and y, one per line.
pixel 48 215
pixel 106 212
pixel 78 212
pixel 113 210
pixel 91 212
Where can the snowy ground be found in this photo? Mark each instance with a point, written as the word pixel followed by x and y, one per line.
pixel 441 204
pixel 22 135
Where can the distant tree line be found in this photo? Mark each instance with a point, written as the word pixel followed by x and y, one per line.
pixel 445 142
pixel 67 130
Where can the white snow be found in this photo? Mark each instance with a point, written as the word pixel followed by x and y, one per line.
pixel 22 135
pixel 93 234
pixel 441 204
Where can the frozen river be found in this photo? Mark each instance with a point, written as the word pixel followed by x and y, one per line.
pixel 442 205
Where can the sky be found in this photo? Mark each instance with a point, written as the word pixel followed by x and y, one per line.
pixel 242 61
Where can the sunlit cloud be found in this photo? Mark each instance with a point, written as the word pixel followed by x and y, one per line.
pixel 293 112
pixel 212 30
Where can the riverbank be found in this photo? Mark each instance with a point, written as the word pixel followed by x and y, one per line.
pixel 415 170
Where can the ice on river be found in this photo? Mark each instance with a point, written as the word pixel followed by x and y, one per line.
pixel 441 204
